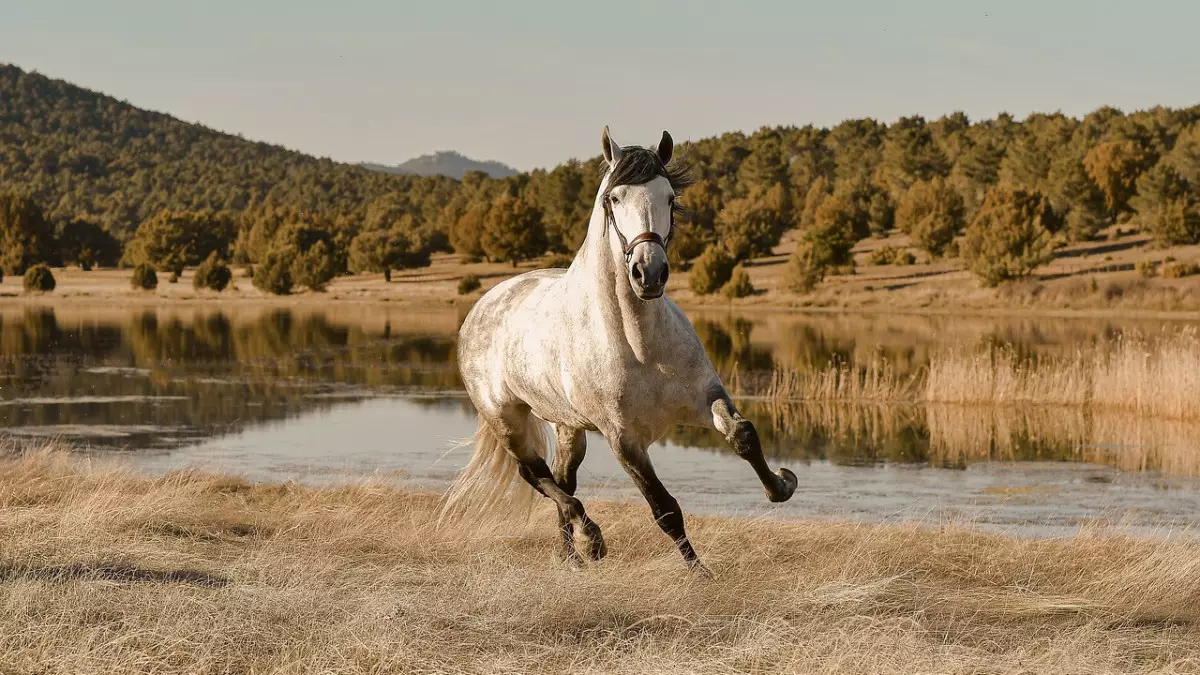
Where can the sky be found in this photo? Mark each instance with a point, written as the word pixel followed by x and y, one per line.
pixel 532 83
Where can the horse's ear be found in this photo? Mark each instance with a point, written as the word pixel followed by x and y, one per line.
pixel 665 147
pixel 612 151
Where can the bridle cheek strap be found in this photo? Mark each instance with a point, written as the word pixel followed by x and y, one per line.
pixel 642 238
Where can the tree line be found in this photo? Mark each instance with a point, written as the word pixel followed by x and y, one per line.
pixel 90 180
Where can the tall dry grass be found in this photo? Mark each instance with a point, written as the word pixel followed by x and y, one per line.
pixel 106 571
pixel 1151 377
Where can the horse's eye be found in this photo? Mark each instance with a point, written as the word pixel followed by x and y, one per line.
pixel 613 199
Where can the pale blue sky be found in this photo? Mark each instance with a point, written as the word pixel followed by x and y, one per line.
pixel 532 83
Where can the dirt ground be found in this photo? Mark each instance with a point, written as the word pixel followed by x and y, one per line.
pixel 1095 278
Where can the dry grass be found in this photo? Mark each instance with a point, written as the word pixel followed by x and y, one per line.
pixel 104 571
pixel 1157 377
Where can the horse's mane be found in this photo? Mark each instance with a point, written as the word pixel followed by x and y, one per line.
pixel 641 165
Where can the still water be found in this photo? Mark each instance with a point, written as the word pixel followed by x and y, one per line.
pixel 354 390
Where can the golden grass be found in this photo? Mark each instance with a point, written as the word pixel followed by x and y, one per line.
pixel 1150 377
pixel 106 571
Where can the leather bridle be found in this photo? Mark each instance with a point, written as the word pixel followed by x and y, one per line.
pixel 627 246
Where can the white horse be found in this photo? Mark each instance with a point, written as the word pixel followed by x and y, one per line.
pixel 597 347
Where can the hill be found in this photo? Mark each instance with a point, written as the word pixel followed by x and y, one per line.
pixel 1000 197
pixel 83 154
pixel 446 163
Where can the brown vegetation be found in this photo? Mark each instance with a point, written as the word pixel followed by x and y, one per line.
pixel 106 571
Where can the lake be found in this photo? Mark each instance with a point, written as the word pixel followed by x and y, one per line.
pixel 359 390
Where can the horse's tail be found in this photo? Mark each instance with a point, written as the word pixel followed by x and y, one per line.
pixel 490 485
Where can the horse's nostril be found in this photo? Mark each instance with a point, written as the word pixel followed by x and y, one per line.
pixel 665 275
pixel 637 272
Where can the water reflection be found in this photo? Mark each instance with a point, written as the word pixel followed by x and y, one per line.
pixel 161 377
pixel 199 375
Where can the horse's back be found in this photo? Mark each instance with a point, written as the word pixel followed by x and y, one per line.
pixel 508 311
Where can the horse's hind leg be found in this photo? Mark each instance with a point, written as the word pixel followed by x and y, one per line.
pixel 514 429
pixel 570 446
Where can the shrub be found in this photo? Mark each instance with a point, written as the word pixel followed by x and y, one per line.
pixel 881 214
pixel 274 273
pixel 837 226
pixel 557 260
pixel 739 285
pixel 1008 238
pixel 172 240
pixel 1147 269
pixel 468 284
pixel 1178 270
pixel 882 256
pixel 248 271
pixel 144 278
pixel 751 226
pixel 86 244
pixel 469 259
pixel 39 279
pixel 174 278
pixel 890 255
pixel 711 270
pixel 1 275
pixel 1173 222
pixel 26 237
pixel 805 268
pixel 931 212
pixel 314 268
pixel 212 274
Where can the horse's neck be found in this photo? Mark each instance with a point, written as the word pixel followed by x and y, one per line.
pixel 599 286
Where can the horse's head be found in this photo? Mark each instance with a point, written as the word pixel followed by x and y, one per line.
pixel 639 208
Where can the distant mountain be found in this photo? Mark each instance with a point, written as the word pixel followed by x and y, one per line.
pixel 446 163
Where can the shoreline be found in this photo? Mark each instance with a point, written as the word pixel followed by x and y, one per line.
pixel 315 301
pixel 1070 287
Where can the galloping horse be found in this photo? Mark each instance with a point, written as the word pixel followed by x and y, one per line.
pixel 597 346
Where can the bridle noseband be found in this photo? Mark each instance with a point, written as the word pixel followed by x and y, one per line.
pixel 627 246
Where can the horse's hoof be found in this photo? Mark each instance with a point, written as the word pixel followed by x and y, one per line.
pixel 697 568
pixel 595 549
pixel 568 555
pixel 786 486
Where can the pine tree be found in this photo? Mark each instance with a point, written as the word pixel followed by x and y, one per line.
pixel 931 212
pixel 25 236
pixel 513 231
pixel 1008 238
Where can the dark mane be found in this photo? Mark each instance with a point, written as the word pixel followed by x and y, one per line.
pixel 642 165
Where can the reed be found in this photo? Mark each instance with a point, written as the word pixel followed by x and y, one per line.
pixel 1150 377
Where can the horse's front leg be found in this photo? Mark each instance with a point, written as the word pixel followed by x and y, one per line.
pixel 742 437
pixel 665 509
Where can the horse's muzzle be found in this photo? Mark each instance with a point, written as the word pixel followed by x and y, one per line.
pixel 648 273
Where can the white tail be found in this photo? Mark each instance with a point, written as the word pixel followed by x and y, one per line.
pixel 490 484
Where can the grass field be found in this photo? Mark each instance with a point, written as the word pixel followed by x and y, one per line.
pixel 1092 278
pixel 107 571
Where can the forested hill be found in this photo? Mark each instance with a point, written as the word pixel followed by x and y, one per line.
pixel 1002 194
pixel 82 154
pixel 447 163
